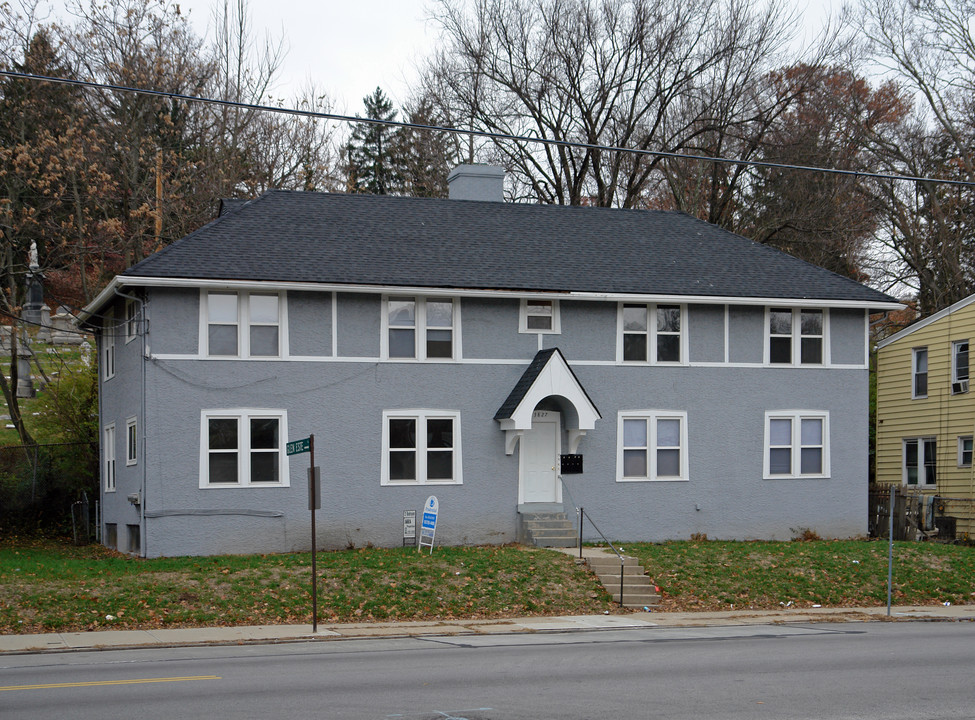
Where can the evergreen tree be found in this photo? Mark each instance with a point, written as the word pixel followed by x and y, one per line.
pixel 371 162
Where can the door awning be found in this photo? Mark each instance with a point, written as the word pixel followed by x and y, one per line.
pixel 548 376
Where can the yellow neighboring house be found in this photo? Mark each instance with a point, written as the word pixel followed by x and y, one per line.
pixel 926 410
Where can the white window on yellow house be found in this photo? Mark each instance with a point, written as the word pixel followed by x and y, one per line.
pixel 920 461
pixel 919 373
pixel 959 366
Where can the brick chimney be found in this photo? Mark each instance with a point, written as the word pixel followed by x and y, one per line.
pixel 476 182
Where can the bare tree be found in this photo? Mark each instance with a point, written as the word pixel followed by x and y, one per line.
pixel 618 73
pixel 930 48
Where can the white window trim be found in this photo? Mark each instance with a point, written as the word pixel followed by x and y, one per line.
pixel 131 321
pixel 797 336
pixel 653 416
pixel 420 330
pixel 652 335
pixel 927 372
pixel 131 449
pixel 421 416
pixel 954 364
pixel 556 328
pixel 108 345
pixel 244 325
pixel 108 457
pixel 961 447
pixel 921 474
pixel 243 416
pixel 796 416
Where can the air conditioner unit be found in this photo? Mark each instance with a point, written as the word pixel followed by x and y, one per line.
pixel 960 386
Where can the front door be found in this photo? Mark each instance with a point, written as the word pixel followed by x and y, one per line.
pixel 539 458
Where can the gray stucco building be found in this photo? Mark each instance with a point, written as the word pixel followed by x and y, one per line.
pixel 458 348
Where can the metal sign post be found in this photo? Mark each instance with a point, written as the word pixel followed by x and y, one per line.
pixel 314 502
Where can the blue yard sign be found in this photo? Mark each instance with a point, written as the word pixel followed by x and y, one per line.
pixel 428 525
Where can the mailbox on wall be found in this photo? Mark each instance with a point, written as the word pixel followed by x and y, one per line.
pixel 571 464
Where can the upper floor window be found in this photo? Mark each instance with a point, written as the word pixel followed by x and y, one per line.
pixel 959 366
pixel 919 373
pixel 539 316
pixel 920 461
pixel 131 320
pixel 420 328
pixel 243 447
pixel 796 336
pixel 131 441
pixel 650 333
pixel 243 324
pixel 652 445
pixel 796 444
pixel 108 346
pixel 108 457
pixel 420 447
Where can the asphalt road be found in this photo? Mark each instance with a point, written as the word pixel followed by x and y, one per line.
pixel 886 671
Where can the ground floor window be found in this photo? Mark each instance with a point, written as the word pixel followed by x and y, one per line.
pixel 796 444
pixel 965 451
pixel 651 445
pixel 243 448
pixel 421 447
pixel 111 536
pixel 920 461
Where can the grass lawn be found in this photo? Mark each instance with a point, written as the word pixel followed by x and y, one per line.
pixel 716 575
pixel 47 586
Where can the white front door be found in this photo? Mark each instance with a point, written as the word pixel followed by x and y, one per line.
pixel 539 458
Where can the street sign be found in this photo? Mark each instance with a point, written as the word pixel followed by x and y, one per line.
pixel 428 524
pixel 298 446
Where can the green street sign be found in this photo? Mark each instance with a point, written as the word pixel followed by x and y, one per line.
pixel 299 446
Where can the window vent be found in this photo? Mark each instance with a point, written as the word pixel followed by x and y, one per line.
pixel 960 386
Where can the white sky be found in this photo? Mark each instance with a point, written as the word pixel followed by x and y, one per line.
pixel 349 47
pixel 346 48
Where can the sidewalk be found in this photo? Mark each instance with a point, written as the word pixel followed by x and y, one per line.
pixel 109 639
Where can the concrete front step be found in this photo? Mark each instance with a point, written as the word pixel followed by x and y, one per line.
pixel 547 528
pixel 638 589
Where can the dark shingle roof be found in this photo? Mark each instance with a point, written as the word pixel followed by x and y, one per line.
pixel 418 242
pixel 528 378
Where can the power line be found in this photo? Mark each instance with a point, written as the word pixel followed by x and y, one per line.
pixel 315 114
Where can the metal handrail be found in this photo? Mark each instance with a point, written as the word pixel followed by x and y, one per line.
pixel 582 515
pixel 580 511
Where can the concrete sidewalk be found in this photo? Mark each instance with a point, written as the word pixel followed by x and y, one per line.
pixel 109 639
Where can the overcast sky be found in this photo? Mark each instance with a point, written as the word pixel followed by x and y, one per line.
pixel 348 47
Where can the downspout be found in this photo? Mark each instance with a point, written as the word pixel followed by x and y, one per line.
pixel 143 429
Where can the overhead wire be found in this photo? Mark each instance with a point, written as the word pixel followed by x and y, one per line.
pixel 321 115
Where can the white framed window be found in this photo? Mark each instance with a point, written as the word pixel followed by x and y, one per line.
pixel 242 324
pixel 421 447
pixel 243 448
pixel 420 328
pixel 921 461
pixel 651 445
pixel 108 457
pixel 959 367
pixel 108 345
pixel 796 444
pixel 131 320
pixel 964 451
pixel 919 372
pixel 131 441
pixel 651 333
pixel 539 316
pixel 796 336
